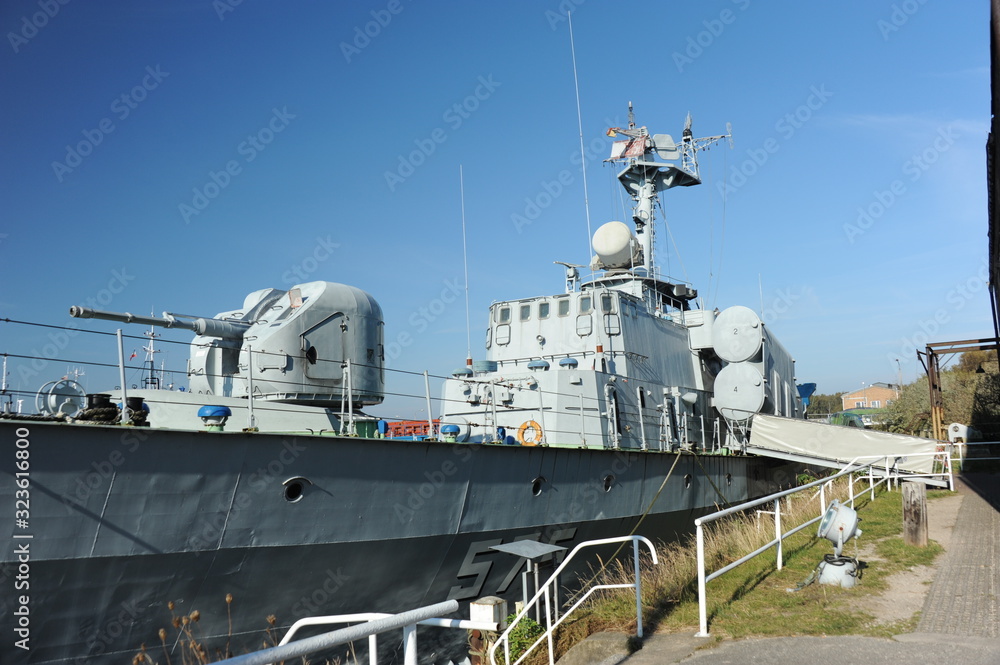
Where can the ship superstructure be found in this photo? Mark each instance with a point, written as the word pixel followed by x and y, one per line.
pixel 626 359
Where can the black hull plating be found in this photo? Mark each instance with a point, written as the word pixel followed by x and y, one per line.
pixel 121 521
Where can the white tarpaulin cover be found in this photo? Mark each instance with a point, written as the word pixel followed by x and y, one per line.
pixel 839 443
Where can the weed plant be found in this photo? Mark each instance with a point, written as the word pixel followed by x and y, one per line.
pixel 186 647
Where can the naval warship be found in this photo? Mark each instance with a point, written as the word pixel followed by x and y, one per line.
pixel 616 406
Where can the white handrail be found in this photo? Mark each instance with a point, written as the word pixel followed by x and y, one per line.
pixel 333 619
pixel 889 471
pixel 699 523
pixel 334 638
pixel 545 593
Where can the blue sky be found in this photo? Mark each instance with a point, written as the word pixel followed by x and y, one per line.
pixel 179 155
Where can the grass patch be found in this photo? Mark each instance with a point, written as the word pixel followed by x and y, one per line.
pixel 753 600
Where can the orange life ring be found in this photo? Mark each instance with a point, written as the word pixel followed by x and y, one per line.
pixel 529 433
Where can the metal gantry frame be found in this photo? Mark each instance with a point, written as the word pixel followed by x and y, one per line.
pixel 930 358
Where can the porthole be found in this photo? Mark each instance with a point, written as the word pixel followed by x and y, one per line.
pixel 687 481
pixel 294 488
pixel 609 482
pixel 536 485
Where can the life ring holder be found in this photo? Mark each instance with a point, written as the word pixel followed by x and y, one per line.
pixel 526 427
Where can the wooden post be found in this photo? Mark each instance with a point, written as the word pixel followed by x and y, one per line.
pixel 915 514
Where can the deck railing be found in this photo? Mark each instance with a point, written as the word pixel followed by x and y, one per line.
pixel 547 593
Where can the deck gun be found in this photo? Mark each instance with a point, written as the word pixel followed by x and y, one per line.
pixel 228 329
pixel 316 344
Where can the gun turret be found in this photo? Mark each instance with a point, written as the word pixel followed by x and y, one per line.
pixel 224 328
pixel 317 344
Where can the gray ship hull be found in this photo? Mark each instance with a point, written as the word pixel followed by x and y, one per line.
pixel 121 520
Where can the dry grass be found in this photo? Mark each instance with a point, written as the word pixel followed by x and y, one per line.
pixel 186 647
pixel 754 599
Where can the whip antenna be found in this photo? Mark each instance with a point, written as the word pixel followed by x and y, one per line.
pixel 465 260
pixel 579 122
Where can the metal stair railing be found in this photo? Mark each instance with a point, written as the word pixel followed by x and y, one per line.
pixel 547 592
pixel 303 647
pixel 409 632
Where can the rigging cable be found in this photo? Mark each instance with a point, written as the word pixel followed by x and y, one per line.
pixel 659 202
pixel 642 517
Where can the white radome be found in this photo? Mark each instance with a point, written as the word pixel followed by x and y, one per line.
pixel 613 243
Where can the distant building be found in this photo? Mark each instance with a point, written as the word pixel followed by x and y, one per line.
pixel 875 396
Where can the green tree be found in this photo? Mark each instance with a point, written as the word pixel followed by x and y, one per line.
pixel 970 397
pixel 821 405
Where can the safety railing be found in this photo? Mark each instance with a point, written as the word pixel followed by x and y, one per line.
pixel 547 593
pixel 374 624
pixel 662 424
pixel 704 577
pixel 961 449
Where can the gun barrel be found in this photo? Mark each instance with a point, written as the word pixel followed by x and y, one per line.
pixel 201 326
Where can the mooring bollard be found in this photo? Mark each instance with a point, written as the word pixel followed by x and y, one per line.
pixel 490 609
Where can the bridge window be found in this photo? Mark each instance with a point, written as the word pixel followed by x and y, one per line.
pixel 525 312
pixel 503 315
pixel 543 310
pixel 607 303
pixel 585 304
pixel 563 307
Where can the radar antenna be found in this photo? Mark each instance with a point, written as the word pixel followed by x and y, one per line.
pixel 644 177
